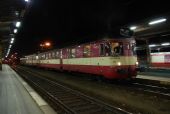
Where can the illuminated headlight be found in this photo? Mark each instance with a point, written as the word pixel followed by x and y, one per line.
pixel 119 63
pixel 137 63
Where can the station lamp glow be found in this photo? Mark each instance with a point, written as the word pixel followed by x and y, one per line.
pixel 15 30
pixel 157 21
pixel 10 46
pixel 47 44
pixel 165 44
pixel 18 24
pixel 16 13
pixel 152 45
pixel 27 1
pixel 12 40
pixel 133 27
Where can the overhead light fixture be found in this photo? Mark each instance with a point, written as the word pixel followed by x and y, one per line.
pixel 26 0
pixel 10 46
pixel 157 21
pixel 153 45
pixel 12 41
pixel 165 44
pixel 133 27
pixel 18 24
pixel 15 30
pixel 16 13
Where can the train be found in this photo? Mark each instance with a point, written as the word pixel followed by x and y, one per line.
pixel 160 60
pixel 109 58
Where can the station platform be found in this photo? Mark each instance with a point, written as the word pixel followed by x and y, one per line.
pixel 16 98
pixel 156 74
pixel 156 78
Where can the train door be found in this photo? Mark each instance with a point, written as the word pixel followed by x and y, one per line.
pixel 102 54
pixel 61 60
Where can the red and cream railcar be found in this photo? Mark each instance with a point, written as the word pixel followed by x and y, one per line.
pixel 51 59
pixel 111 58
pixel 160 60
pixel 30 60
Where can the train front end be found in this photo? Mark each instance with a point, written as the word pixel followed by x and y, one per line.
pixel 122 60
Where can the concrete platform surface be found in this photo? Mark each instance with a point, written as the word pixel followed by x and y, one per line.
pixel 14 98
pixel 156 78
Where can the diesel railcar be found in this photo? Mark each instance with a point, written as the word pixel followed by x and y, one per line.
pixel 110 58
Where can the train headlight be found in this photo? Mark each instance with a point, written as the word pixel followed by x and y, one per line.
pixel 119 63
pixel 137 63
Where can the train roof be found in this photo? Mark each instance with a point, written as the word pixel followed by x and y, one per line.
pixel 91 42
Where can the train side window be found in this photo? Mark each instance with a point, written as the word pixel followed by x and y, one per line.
pixel 107 48
pixel 46 55
pixel 43 56
pixel 73 53
pixel 69 53
pixel 53 55
pixel 49 55
pixel 57 55
pixel 86 51
pixel 102 49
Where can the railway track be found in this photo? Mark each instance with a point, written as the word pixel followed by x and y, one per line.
pixel 163 91
pixel 149 87
pixel 65 100
pixel 143 85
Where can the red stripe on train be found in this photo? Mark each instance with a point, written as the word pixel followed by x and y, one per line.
pixel 123 71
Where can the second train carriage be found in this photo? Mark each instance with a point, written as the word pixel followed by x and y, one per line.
pixel 111 58
pixel 160 60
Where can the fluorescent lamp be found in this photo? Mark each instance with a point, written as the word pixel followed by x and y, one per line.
pixel 18 24
pixel 157 21
pixel 152 45
pixel 15 30
pixel 12 41
pixel 133 27
pixel 10 46
pixel 165 44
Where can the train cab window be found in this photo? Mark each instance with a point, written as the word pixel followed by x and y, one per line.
pixel 86 51
pixel 133 46
pixel 117 49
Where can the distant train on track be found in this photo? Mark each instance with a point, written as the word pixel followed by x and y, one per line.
pixel 160 60
pixel 110 58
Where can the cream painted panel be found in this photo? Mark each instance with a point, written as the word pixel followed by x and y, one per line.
pixel 50 61
pixel 103 61
pixel 157 59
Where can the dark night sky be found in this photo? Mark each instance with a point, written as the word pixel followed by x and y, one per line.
pixel 66 22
